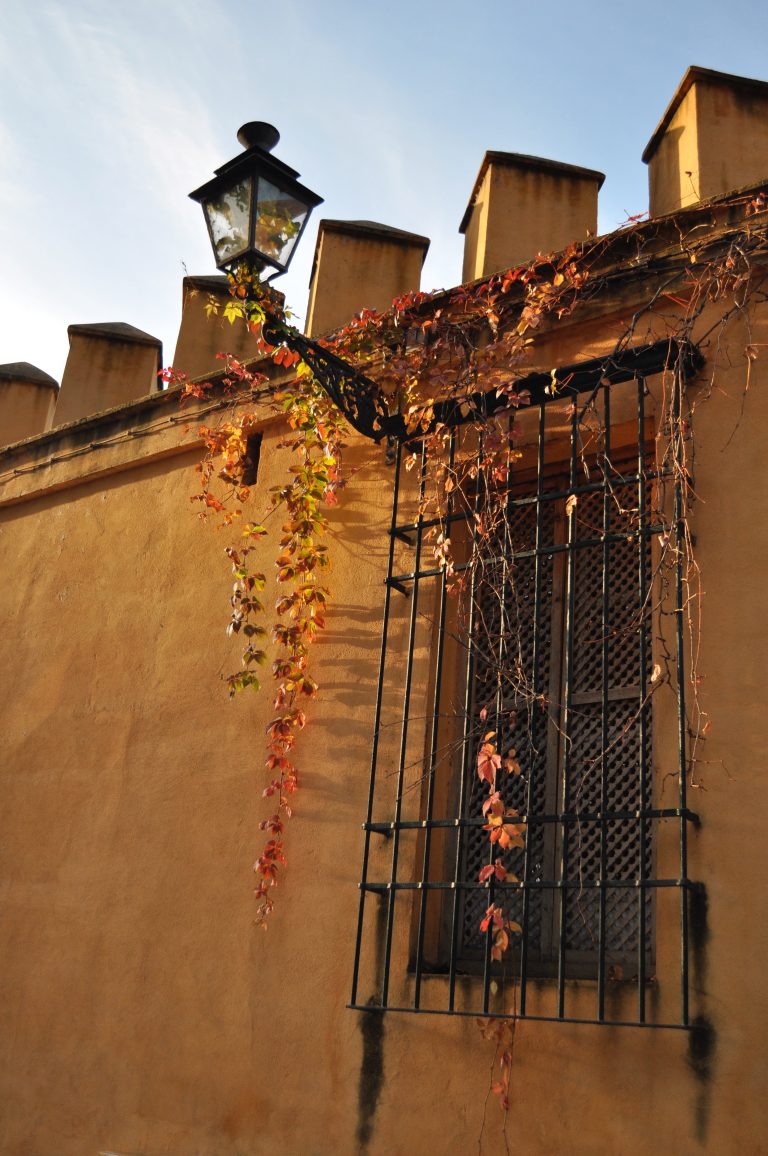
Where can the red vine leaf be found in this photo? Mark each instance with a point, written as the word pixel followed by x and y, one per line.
pixel 488 763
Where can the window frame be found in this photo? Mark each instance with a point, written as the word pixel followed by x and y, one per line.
pixel 377 939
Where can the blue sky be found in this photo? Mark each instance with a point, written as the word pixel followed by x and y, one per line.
pixel 110 112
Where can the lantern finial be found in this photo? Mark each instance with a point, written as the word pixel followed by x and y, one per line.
pixel 258 134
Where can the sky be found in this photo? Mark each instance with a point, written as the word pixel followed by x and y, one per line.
pixel 111 112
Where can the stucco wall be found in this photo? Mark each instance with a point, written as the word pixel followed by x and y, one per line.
pixel 359 268
pixel 143 1011
pixel 26 409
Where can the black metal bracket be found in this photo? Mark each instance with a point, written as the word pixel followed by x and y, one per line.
pixel 359 399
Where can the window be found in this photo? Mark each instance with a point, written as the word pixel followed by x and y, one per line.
pixel 563 663
pixel 566 645
pixel 252 458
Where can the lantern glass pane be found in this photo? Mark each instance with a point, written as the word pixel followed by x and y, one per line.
pixel 279 218
pixel 228 217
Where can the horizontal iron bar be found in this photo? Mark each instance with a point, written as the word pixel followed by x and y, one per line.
pixel 405 528
pixel 432 1011
pixel 534 885
pixel 399 580
pixel 398 584
pixel 554 817
pixel 545 552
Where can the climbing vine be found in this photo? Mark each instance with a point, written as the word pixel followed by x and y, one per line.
pixel 316 442
pixel 433 355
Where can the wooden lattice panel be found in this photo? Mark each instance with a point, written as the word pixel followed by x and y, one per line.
pixel 505 678
pixel 626 717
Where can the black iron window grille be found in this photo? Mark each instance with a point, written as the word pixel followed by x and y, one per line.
pixel 561 633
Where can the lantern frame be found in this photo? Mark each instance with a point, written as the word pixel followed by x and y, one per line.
pixel 257 165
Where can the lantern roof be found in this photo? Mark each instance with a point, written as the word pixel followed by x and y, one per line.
pixel 256 157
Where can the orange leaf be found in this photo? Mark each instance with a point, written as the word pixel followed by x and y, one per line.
pixel 488 763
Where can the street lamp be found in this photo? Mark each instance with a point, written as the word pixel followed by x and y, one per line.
pixel 256 211
pixel 254 207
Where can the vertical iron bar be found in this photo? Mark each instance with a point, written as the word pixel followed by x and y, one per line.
pixel 642 583
pixel 568 691
pixel 501 590
pixel 392 896
pixel 461 834
pixel 678 467
pixel 433 745
pixel 604 628
pixel 377 723
pixel 536 691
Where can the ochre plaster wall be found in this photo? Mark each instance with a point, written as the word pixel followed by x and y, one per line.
pixel 716 140
pixel 136 983
pixel 476 233
pixel 143 1011
pixel 26 409
pixel 733 137
pixel 354 271
pixel 673 171
pixel 520 211
pixel 103 371
pixel 534 212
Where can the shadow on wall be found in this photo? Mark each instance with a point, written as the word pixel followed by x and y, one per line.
pixel 371 1078
pixel 702 1038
